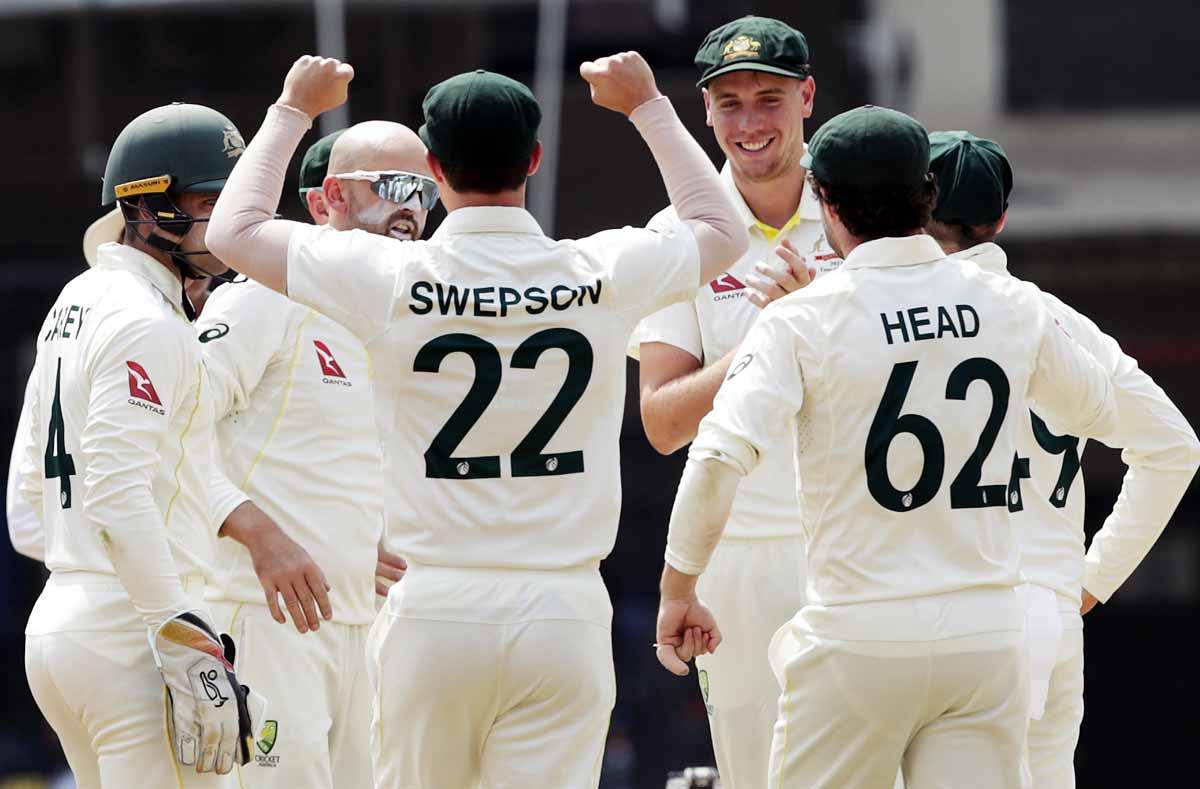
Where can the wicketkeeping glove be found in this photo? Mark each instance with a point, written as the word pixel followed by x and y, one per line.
pixel 210 722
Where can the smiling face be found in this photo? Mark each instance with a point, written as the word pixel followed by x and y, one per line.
pixel 758 120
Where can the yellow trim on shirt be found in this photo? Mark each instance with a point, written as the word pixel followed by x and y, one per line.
pixel 283 401
pixel 774 232
pixel 182 437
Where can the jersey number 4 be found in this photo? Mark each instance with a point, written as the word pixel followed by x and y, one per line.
pixel 528 460
pixel 59 464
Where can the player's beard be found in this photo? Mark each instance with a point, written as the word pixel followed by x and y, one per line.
pixel 385 218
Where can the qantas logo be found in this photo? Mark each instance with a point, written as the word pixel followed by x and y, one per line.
pixel 330 369
pixel 726 284
pixel 140 385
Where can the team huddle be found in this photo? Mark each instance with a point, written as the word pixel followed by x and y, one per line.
pixel 338 522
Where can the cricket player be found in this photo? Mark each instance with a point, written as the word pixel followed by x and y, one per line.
pixel 499 356
pixel 313 169
pixel 294 400
pixel 758 90
pixel 903 377
pixel 122 656
pixel 1159 447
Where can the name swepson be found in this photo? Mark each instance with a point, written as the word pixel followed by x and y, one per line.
pixel 498 301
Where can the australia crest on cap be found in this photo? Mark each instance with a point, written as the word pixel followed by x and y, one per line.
pixel 741 47
pixel 232 143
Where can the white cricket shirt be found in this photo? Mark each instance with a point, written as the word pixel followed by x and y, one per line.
pixel 716 321
pixel 296 429
pixel 121 431
pixel 499 357
pixel 907 376
pixel 1160 449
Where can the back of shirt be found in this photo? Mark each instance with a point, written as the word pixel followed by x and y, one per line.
pixel 500 359
pixel 907 376
pixel 120 427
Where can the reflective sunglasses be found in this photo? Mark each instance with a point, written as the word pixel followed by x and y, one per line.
pixel 397 186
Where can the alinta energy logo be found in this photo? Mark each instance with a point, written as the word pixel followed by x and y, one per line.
pixel 141 389
pixel 331 371
pixel 727 287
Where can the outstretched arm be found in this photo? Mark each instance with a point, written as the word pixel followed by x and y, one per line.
pixel 243 232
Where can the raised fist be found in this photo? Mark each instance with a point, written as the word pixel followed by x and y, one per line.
pixel 620 82
pixel 315 84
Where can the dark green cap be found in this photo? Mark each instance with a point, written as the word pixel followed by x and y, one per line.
pixel 869 146
pixel 974 178
pixel 753 43
pixel 315 163
pixel 480 119
pixel 175 148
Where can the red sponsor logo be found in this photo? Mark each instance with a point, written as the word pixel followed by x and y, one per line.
pixel 140 385
pixel 726 284
pixel 329 365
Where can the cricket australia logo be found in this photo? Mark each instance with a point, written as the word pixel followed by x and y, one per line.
pixel 232 143
pixel 266 743
pixel 741 47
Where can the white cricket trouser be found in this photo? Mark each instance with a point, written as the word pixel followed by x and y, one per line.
pixel 1053 738
pixel 752 587
pixel 519 697
pixel 101 692
pixel 951 710
pixel 316 734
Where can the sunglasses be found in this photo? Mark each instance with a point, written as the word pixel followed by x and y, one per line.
pixel 397 186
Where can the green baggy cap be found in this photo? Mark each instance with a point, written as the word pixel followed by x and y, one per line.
pixel 315 164
pixel 480 119
pixel 974 178
pixel 753 43
pixel 869 146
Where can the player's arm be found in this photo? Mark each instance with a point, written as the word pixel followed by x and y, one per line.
pixel 120 445
pixel 239 335
pixel 1161 451
pixel 624 83
pixel 243 232
pixel 762 393
pixel 23 498
pixel 676 391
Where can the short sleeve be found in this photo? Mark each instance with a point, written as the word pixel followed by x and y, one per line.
pixel 350 276
pixel 649 269
pixel 677 325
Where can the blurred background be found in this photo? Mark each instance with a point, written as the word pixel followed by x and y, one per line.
pixel 1096 101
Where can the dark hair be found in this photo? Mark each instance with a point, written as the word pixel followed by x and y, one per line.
pixel 489 180
pixel 872 212
pixel 961 235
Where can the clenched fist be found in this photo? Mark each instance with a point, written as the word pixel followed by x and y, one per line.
pixel 315 84
pixel 620 82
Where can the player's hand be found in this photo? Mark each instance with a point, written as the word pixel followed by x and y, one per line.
pixel 685 629
pixel 621 82
pixel 283 568
pixel 388 570
pixel 1089 602
pixel 772 283
pixel 315 84
pixel 209 722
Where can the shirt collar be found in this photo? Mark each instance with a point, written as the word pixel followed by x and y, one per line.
pixel 809 209
pixel 121 257
pixel 902 251
pixel 988 256
pixel 488 219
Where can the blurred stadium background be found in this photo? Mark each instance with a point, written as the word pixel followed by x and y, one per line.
pixel 1096 101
